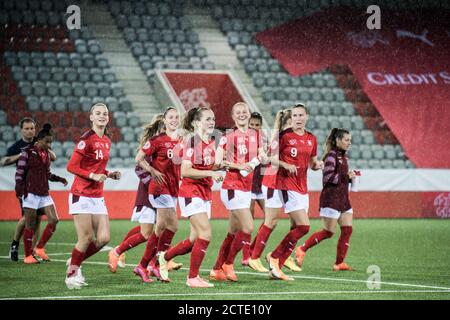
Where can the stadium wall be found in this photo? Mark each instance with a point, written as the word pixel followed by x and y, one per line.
pixel 414 193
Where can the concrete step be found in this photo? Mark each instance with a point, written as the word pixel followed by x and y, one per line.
pixel 121 59
pixel 202 21
pixel 115 45
pixel 136 87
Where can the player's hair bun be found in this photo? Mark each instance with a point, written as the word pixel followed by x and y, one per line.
pixel 47 127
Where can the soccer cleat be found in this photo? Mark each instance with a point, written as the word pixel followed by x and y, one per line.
pixel 80 277
pixel 172 265
pixel 198 282
pixel 290 264
pixel 299 256
pixel 121 263
pixel 163 270
pixel 142 273
pixel 256 265
pixel 342 267
pixel 217 275
pixel 274 266
pixel 30 260
pixel 228 269
pixel 73 283
pixel 40 252
pixel 14 251
pixel 244 262
pixel 283 277
pixel 113 260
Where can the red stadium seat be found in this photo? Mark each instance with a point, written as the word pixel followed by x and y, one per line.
pixel 61 134
pixel 75 133
pixel 67 119
pixel 80 118
pixel 54 118
pixel 40 117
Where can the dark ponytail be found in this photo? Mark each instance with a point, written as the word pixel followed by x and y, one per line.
pixel 330 143
pixel 194 114
pixel 45 131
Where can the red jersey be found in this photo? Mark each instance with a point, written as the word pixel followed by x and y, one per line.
pixel 240 147
pixel 296 150
pixel 202 156
pixel 161 149
pixel 91 154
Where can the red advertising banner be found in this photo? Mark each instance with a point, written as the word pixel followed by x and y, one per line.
pixel 404 68
pixel 213 90
pixel 365 205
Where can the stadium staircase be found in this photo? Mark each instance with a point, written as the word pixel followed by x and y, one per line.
pixel 121 60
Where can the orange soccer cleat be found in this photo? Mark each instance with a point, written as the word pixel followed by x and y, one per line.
pixel 113 260
pixel 299 256
pixel 172 265
pixel 30 260
pixel 217 275
pixel 228 269
pixel 198 282
pixel 342 267
pixel 40 252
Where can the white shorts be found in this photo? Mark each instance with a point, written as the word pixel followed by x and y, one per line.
pixel 35 202
pixel 236 199
pixel 86 205
pixel 192 206
pixel 143 214
pixel 163 201
pixel 289 200
pixel 258 196
pixel 333 213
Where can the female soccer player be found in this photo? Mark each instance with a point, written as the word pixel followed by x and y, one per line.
pixel 242 150
pixel 143 211
pixel 86 202
pixel 255 123
pixel 295 152
pixel 335 204
pixel 32 176
pixel 197 175
pixel 282 122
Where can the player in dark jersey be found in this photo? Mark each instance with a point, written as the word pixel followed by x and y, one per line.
pixel 335 207
pixel 194 197
pixel 27 130
pixel 86 202
pixel 32 176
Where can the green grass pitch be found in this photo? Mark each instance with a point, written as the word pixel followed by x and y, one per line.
pixel 412 256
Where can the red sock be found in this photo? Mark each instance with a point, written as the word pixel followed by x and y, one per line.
pixel 261 240
pixel 246 250
pixel 28 241
pixel 132 232
pixel 197 256
pixel 46 235
pixel 165 239
pixel 343 244
pixel 131 242
pixel 315 238
pixel 252 246
pixel 91 250
pixel 150 251
pixel 240 239
pixel 223 252
pixel 181 248
pixel 77 258
pixel 287 245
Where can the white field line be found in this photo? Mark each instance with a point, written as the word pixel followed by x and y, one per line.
pixel 168 295
pixel 291 275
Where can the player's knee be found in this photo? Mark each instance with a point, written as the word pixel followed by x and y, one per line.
pixel 103 240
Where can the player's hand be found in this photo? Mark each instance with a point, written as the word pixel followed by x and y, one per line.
pixel 98 177
pixel 158 176
pixel 217 176
pixel 319 165
pixel 292 169
pixel 351 174
pixel 226 164
pixel 115 175
pixel 247 167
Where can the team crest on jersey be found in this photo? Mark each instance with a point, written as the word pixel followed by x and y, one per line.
pixel 168 145
pixel 107 145
pixel 252 139
pixel 146 145
pixel 309 143
pixel 292 142
pixel 81 145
